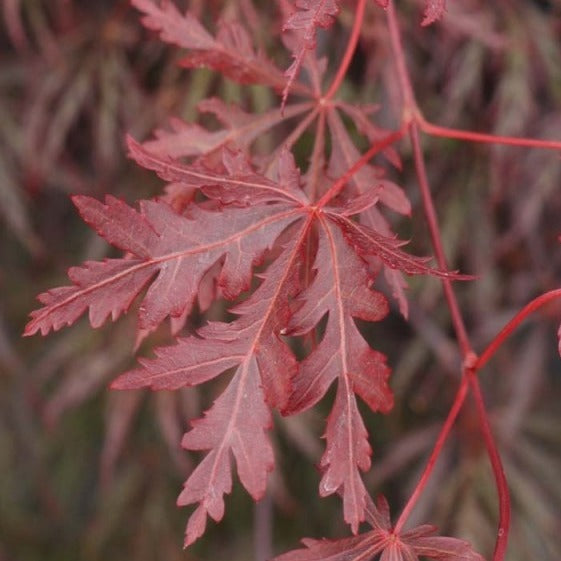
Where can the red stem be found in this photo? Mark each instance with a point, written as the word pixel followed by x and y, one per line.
pixel 513 324
pixel 410 113
pixel 436 130
pixel 409 103
pixel 347 57
pixel 436 239
pixel 336 188
pixel 440 441
pixel 412 116
pixel 498 471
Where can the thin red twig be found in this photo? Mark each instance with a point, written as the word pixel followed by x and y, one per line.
pixel 439 444
pixel 501 541
pixel 445 132
pixel 349 52
pixel 409 113
pixel 412 116
pixel 436 238
pixel 377 147
pixel 513 324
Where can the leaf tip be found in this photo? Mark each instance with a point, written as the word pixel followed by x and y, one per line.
pixel 119 383
pixel 30 329
pixel 434 10
pixel 79 200
pixel 133 146
pixel 195 527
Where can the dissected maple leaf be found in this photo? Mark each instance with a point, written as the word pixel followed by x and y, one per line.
pixel 231 52
pixel 383 541
pixel 245 215
pixel 177 250
pixel 265 368
pixel 240 129
pixel 252 341
pixel 341 288
pixel 309 15
pixel 174 252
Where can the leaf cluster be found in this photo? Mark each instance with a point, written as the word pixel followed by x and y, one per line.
pixel 298 256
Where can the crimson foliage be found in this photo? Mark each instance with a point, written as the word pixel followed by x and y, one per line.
pixel 320 239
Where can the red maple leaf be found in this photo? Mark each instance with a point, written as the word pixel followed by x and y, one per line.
pixel 246 214
pixel 320 239
pixel 309 15
pixel 386 543
pixel 170 251
pixel 239 132
pixel 230 52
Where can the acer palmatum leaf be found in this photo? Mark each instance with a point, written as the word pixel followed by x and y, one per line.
pixel 265 367
pixel 383 543
pixel 309 15
pixel 174 250
pixel 434 10
pixel 240 130
pixel 242 183
pixel 220 346
pixel 341 289
pixel 368 241
pixel 230 52
pixel 343 155
pixel 235 424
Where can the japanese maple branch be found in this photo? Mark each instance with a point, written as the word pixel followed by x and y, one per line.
pixel 411 114
pixel 502 486
pixel 513 324
pixel 445 132
pixel 470 378
pixel 440 441
pixel 500 479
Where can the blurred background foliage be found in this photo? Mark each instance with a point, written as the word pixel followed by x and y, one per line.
pixel 90 474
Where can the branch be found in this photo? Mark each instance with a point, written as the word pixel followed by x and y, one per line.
pixel 513 324
pixel 445 132
pixel 347 57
